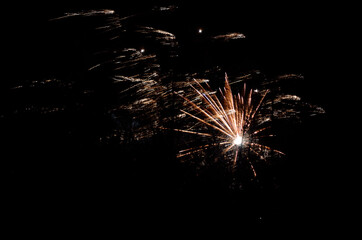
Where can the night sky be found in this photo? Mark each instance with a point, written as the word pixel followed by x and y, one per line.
pixel 59 175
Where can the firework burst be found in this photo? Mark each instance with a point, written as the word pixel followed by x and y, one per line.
pixel 142 60
pixel 235 119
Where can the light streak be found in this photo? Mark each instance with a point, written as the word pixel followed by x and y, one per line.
pixel 229 36
pixel 86 13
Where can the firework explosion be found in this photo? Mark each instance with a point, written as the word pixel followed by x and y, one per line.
pixel 239 124
pixel 129 108
pixel 154 95
pixel 233 117
pixel 150 89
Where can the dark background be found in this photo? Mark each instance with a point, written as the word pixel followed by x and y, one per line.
pixel 55 173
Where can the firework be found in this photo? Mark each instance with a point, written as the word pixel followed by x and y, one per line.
pixel 232 116
pixel 240 125
pixel 147 80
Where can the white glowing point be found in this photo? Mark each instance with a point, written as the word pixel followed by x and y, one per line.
pixel 142 50
pixel 238 140
pixel 200 30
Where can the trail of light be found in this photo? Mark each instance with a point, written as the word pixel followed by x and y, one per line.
pixel 191 132
pixel 260 130
pixel 252 167
pixel 205 122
